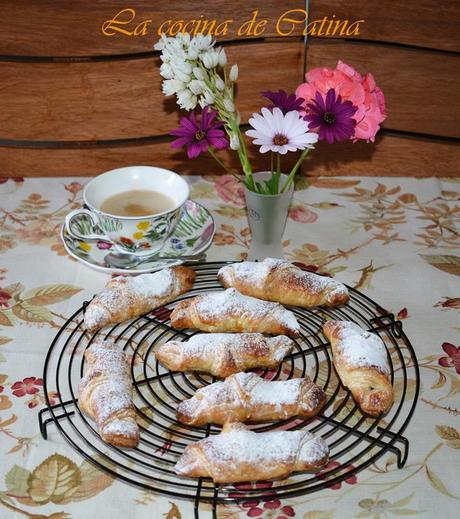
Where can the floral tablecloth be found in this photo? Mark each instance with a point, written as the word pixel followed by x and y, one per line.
pixel 396 239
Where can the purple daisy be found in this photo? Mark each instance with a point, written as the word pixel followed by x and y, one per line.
pixel 198 136
pixel 334 118
pixel 286 103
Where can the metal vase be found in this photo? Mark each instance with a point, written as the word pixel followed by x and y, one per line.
pixel 267 215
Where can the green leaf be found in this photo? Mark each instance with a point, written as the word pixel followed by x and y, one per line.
pixel 446 263
pixel 32 314
pixel 319 514
pixel 447 433
pixel 403 511
pixel 54 480
pixel 49 294
pixel 14 289
pixel 404 501
pixel 231 212
pixel 436 483
pixel 203 190
pixel 301 183
pixel 5 497
pixel 93 481
pixel 17 481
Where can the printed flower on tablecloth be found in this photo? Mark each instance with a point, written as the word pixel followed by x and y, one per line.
pixel 376 508
pixel 27 386
pixel 300 213
pixel 449 303
pixel 230 190
pixel 73 187
pixel 38 398
pixel 4 298
pixel 272 508
pixel 453 359
pixel 351 480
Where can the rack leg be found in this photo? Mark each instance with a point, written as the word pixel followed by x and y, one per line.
pixel 43 421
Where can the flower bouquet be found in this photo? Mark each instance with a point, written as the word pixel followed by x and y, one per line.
pixel 332 105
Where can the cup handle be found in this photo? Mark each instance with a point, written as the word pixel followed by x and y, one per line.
pixel 75 234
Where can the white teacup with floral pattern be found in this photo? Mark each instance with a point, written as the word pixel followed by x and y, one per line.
pixel 141 235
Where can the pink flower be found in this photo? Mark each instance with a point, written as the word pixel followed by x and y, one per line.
pixel 27 386
pixel 37 231
pixel 351 86
pixel 230 190
pixel 299 213
pixel 453 359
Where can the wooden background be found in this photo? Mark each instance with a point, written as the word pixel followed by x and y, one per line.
pixel 76 102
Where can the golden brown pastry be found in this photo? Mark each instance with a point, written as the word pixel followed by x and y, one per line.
pixel 126 297
pixel 229 311
pixel 246 397
pixel 223 354
pixel 361 361
pixel 279 280
pixel 105 393
pixel 238 454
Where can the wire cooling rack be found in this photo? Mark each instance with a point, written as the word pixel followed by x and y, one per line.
pixel 355 440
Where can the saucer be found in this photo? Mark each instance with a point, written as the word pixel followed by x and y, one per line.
pixel 193 234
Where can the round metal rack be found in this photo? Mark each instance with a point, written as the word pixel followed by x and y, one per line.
pixel 355 440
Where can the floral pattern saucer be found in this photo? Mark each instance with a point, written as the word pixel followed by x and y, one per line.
pixel 193 234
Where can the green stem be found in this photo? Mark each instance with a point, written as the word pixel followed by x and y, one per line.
pixel 219 161
pixel 291 176
pixel 278 174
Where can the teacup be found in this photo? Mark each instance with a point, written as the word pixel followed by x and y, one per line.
pixel 141 235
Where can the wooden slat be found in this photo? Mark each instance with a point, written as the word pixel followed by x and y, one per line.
pixel 123 99
pixel 390 156
pixel 73 28
pixel 423 23
pixel 420 87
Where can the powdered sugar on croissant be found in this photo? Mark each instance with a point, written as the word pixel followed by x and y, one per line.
pixel 238 454
pixel 279 280
pixel 361 361
pixel 247 397
pixel 126 297
pixel 230 311
pixel 105 394
pixel 223 354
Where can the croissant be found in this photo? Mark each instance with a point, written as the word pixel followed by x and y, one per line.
pixel 238 454
pixel 223 354
pixel 229 311
pixel 361 361
pixel 126 297
pixel 105 392
pixel 279 280
pixel 247 397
